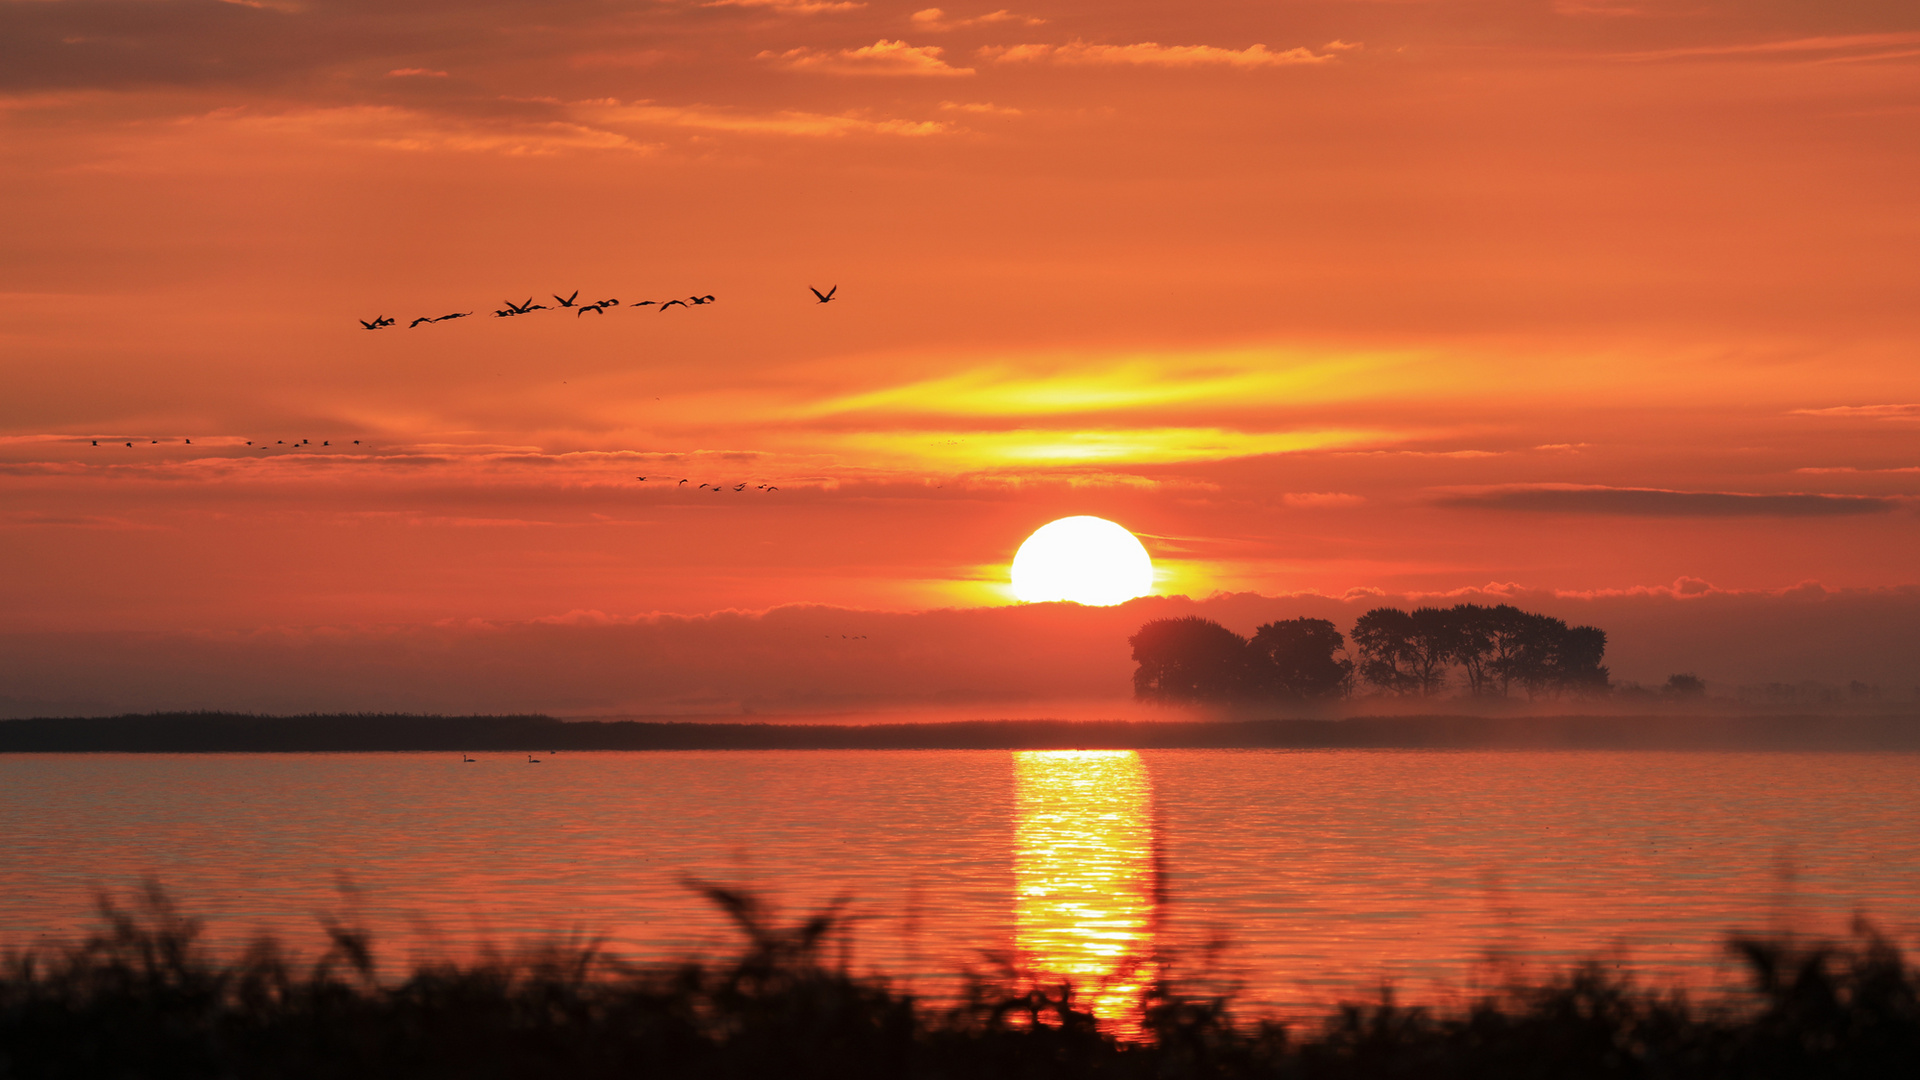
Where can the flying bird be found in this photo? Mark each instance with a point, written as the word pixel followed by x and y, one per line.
pixel 378 322
pixel 455 315
pixel 418 321
pixel 609 303
pixel 739 487
pixel 670 303
pixel 707 299
pixel 770 487
pixel 683 481
pixel 595 308
pixel 824 296
pixel 568 301
pixel 642 303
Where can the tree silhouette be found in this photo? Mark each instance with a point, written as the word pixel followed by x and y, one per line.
pixel 1384 639
pixel 1687 685
pixel 1496 648
pixel 1294 658
pixel 1406 654
pixel 1188 659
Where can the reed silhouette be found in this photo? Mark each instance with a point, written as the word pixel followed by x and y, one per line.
pixel 143 996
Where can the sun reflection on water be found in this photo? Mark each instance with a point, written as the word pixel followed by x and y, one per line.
pixel 1084 875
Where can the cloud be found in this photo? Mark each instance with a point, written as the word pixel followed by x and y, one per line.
pixel 981 108
pixel 934 19
pixel 1867 412
pixel 971 449
pixel 787 122
pixel 1314 500
pixel 1830 47
pixel 404 72
pixel 790 7
pixel 883 57
pixel 1152 54
pixel 1658 502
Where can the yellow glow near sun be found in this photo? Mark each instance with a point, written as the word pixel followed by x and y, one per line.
pixel 1088 560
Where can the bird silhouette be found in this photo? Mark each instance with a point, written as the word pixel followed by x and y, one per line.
pixel 378 322
pixel 567 301
pixel 670 303
pixel 739 487
pixel 639 478
pixel 707 299
pixel 189 442
pixel 505 314
pixel 770 487
pixel 531 760
pixel 455 315
pixel 465 758
pixel 824 296
pixel 595 308
pixel 418 321
pixel 643 303
pixel 683 481
pixel 96 442
pixel 609 303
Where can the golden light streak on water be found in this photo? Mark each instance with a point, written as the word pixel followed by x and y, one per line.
pixel 1084 875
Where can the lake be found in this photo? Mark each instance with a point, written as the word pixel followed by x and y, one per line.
pixel 1300 877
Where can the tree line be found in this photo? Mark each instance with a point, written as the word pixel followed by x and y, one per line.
pixel 1489 652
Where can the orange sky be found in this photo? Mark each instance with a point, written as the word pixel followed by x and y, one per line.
pixel 1315 297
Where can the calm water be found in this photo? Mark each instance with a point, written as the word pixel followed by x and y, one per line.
pixel 1326 873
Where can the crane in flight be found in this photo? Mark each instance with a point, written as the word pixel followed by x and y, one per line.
pixel 824 296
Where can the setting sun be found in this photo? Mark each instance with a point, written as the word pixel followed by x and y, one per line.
pixel 1088 560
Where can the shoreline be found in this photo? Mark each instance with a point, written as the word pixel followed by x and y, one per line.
pixel 248 733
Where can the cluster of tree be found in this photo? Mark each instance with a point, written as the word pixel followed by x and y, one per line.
pixel 1491 650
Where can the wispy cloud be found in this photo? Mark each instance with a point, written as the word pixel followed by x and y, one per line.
pixel 786 122
pixel 980 108
pixel 790 7
pixel 1253 377
pixel 1660 502
pixel 1865 412
pixel 1153 54
pixel 963 451
pixel 1832 47
pixel 401 73
pixel 934 19
pixel 1316 500
pixel 883 57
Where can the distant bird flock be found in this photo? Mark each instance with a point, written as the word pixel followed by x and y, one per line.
pixel 568 303
pixel 527 307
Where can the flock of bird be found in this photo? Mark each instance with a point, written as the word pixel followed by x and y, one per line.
pixel 569 303
pixel 328 444
pixel 717 488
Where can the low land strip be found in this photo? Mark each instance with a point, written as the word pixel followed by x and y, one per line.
pixel 243 733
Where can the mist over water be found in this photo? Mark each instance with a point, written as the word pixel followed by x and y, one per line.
pixel 1327 872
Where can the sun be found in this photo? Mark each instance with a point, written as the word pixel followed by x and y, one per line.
pixel 1088 560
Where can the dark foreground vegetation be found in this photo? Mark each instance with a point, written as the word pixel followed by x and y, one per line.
pixel 245 733
pixel 142 998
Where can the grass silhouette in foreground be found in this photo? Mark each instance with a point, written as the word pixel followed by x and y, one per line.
pixel 144 998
